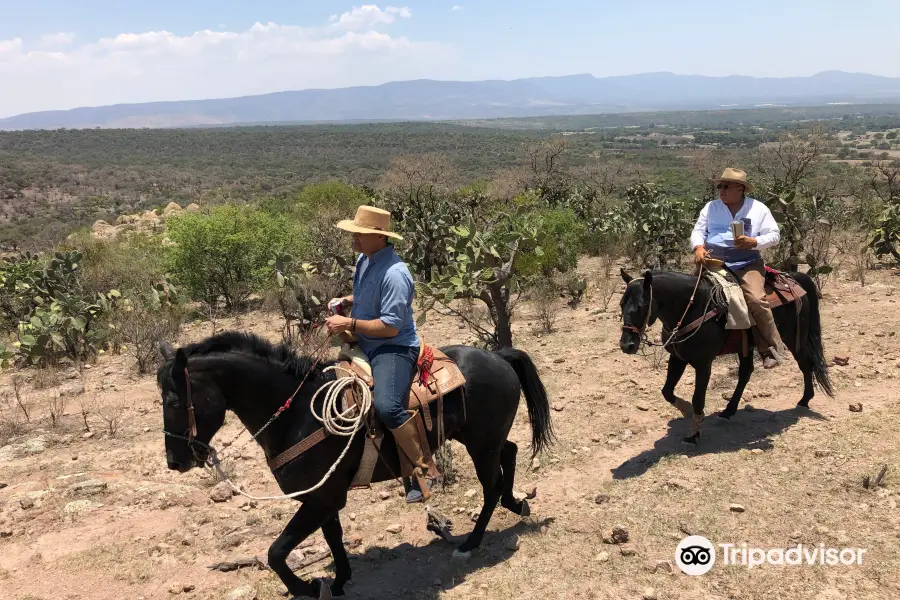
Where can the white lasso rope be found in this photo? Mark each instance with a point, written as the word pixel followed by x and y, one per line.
pixel 335 422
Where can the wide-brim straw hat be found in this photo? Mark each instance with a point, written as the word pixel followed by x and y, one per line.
pixel 735 176
pixel 370 219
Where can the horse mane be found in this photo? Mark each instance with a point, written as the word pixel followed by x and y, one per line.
pixel 282 355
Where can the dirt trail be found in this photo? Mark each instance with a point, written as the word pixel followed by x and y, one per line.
pixel 141 531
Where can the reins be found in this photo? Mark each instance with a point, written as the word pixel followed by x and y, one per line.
pixel 334 421
pixel 642 331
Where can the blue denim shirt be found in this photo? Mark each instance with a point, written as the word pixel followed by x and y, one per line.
pixel 383 289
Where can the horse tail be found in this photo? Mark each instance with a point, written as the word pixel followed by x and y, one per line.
pixel 814 334
pixel 535 397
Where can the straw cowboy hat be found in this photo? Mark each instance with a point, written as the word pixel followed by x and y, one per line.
pixel 369 219
pixel 735 176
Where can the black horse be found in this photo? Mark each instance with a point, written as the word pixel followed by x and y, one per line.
pixel 253 378
pixel 667 295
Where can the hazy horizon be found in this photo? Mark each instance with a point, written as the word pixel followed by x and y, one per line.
pixel 58 55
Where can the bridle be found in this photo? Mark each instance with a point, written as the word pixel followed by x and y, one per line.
pixel 190 435
pixel 642 331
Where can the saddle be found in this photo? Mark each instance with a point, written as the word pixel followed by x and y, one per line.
pixel 781 290
pixel 435 376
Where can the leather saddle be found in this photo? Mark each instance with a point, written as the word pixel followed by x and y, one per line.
pixel 781 288
pixel 435 376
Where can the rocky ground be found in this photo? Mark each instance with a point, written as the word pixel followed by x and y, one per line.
pixel 96 515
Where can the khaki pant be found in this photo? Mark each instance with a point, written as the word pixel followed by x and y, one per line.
pixel 752 279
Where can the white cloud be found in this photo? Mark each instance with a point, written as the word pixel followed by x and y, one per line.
pixel 368 16
pixel 457 7
pixel 54 40
pixel 160 65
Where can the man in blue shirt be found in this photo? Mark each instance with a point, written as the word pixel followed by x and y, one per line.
pixel 712 238
pixel 383 325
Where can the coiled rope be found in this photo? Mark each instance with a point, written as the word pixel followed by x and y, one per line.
pixel 336 422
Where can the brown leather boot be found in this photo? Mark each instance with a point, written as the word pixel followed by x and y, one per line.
pixel 409 442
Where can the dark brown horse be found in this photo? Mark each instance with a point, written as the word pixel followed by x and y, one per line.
pixel 253 378
pixel 667 295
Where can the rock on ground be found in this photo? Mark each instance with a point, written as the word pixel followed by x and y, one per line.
pixel 245 592
pixel 222 492
pixel 89 487
pixel 79 506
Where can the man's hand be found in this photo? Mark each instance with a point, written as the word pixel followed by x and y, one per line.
pixel 700 255
pixel 745 243
pixel 337 324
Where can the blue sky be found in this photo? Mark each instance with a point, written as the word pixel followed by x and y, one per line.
pixel 66 53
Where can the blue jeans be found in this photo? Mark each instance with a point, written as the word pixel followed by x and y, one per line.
pixel 393 368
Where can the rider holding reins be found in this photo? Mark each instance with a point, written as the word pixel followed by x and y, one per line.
pixel 382 325
pixel 712 238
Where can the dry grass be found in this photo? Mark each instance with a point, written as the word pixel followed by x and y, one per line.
pixel 114 414
pixel 12 419
pixel 805 487
pixel 608 281
pixel 546 302
pixel 56 406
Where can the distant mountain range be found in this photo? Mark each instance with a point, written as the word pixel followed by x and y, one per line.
pixel 446 100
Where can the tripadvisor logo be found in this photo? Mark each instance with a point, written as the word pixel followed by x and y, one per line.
pixel 696 555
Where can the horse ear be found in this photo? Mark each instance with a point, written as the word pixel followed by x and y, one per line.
pixel 648 278
pixel 625 276
pixel 166 350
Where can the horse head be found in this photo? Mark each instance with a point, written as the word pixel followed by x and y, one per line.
pixel 638 310
pixel 193 410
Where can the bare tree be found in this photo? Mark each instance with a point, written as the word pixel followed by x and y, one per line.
pixel 886 180
pixel 418 190
pixel 546 172
pixel 610 177
pixel 784 164
pixel 708 164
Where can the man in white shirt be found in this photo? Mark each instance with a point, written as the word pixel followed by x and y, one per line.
pixel 712 238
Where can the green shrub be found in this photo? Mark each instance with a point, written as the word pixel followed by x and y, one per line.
pixel 132 264
pixel 560 235
pixel 657 226
pixel 54 317
pixel 225 254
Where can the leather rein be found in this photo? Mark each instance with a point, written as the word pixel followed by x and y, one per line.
pixel 692 327
pixel 191 434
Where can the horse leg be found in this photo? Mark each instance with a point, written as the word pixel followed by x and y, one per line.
pixel 701 383
pixel 508 473
pixel 334 537
pixel 487 466
pixel 745 370
pixel 307 519
pixel 797 329
pixel 674 372
pixel 806 365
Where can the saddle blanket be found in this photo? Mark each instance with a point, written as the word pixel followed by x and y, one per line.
pixel 738 313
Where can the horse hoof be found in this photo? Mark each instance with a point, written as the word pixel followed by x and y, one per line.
pixel 692 440
pixel 526 510
pixel 725 416
pixel 324 592
pixel 803 404
pixel 460 558
pixel 685 408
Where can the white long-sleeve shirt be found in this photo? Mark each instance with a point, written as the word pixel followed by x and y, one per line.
pixel 713 230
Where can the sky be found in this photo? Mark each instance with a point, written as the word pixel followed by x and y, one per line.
pixel 60 54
